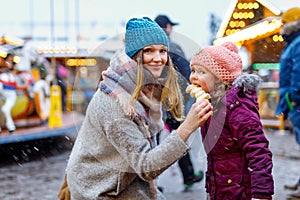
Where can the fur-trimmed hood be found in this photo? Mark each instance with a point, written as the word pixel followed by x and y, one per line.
pixel 247 81
pixel 290 28
pixel 244 90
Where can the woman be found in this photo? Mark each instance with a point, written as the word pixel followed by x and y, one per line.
pixel 115 155
pixel 239 161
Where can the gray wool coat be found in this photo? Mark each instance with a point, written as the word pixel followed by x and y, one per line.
pixel 112 157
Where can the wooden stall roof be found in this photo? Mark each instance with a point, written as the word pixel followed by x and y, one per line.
pixel 248 20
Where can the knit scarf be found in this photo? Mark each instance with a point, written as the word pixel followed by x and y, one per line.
pixel 119 81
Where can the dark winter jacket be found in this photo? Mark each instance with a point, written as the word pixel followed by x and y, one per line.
pixel 182 66
pixel 289 84
pixel 179 60
pixel 239 162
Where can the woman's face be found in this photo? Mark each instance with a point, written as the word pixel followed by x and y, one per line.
pixel 202 77
pixel 155 58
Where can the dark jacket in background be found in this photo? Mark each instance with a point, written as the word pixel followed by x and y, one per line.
pixel 182 66
pixel 289 73
pixel 181 63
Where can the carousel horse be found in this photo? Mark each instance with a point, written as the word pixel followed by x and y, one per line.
pixel 25 95
pixel 8 91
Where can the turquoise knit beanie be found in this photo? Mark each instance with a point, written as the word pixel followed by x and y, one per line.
pixel 141 32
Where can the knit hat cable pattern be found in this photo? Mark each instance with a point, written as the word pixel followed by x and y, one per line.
pixel 141 32
pixel 223 61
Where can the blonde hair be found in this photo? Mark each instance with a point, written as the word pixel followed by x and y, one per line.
pixel 171 96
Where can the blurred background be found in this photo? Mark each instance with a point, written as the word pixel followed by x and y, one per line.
pixel 68 43
pixel 99 19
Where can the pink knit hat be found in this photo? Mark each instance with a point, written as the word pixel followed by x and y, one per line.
pixel 223 61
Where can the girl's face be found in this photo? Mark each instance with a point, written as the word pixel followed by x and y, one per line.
pixel 155 58
pixel 202 77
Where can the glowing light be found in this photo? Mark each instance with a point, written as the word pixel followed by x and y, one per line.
pixel 227 17
pixel 238 15
pixel 270 25
pixel 280 38
pixel 235 15
pixel 81 62
pixel 16 59
pixel 277 38
pixel 3 54
pixel 251 15
pixel 232 24
pixel 250 5
pixel 240 6
pixel 242 24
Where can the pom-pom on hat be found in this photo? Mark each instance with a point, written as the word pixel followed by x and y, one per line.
pixel 291 15
pixel 223 61
pixel 141 32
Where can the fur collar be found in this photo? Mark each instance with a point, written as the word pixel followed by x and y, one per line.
pixel 290 28
pixel 247 81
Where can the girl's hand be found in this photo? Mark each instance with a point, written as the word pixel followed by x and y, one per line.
pixel 197 116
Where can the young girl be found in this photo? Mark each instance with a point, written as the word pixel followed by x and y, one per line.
pixel 239 162
pixel 115 155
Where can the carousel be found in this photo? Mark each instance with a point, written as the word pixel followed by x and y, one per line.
pixel 30 99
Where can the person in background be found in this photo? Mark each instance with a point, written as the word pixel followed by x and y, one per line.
pixel 61 78
pixel 115 155
pixel 289 84
pixel 182 65
pixel 239 161
pixel 8 90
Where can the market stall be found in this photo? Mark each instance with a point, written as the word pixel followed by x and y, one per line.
pixel 255 25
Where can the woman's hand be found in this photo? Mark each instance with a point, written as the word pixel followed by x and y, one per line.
pixel 197 116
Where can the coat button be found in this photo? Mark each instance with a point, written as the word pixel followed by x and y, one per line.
pixel 229 181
